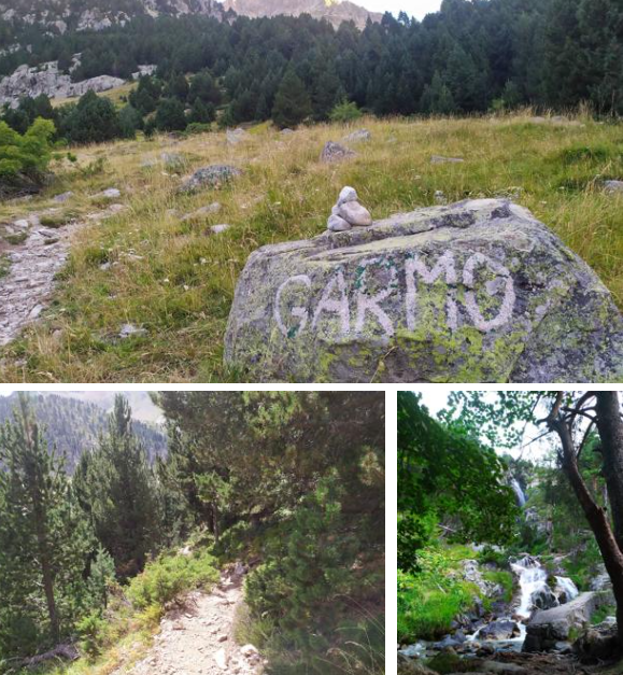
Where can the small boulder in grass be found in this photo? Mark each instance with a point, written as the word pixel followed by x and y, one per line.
pixel 334 152
pixel 613 187
pixel 211 176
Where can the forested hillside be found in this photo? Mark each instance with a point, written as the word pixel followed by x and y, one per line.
pixel 74 426
pixel 269 504
pixel 510 562
pixel 467 58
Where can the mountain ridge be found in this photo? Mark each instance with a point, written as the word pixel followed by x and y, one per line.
pixel 73 426
pixel 61 16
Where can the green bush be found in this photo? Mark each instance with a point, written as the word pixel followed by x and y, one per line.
pixel 24 160
pixel 346 111
pixel 169 577
pixel 429 600
pixel 92 631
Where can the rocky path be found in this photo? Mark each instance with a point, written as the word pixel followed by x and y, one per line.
pixel 198 638
pixel 26 289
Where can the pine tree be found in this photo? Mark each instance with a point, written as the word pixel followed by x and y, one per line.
pixel 44 537
pixel 292 102
pixel 122 493
pixel 170 115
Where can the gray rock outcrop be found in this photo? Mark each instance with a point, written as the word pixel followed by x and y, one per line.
pixel 49 80
pixel 549 626
pixel 210 177
pixel 479 291
pixel 334 152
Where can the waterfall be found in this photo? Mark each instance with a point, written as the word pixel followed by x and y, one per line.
pixel 570 589
pixel 519 493
pixel 532 578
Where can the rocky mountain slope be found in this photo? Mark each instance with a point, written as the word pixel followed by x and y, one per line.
pixel 60 16
pixel 335 11
pixel 74 426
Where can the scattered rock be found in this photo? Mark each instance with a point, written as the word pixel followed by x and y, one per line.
pixel 22 224
pixel 62 198
pixel 357 136
pixel 215 207
pixel 500 630
pixel 413 668
pixel 210 177
pixel 438 159
pixel 110 193
pixel 440 198
pixel 220 658
pixel 217 229
pixel 476 291
pixel 236 136
pixel 334 152
pixel 129 330
pixel 286 132
pixel 613 187
pixel 598 644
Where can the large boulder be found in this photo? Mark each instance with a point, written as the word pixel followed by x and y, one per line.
pixel 550 626
pixel 504 629
pixel 479 291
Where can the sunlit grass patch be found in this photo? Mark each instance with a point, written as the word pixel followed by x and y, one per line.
pixel 148 267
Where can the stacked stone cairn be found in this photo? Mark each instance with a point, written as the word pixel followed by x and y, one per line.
pixel 348 212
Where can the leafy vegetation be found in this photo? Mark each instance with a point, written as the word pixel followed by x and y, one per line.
pixel 24 158
pixel 429 600
pixel 181 290
pixel 467 58
pixel 290 484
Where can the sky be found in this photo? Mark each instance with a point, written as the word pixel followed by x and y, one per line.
pixel 417 8
pixel 436 400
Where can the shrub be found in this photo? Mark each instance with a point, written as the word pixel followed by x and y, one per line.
pixel 24 160
pixel 92 632
pixel 169 577
pixel 429 600
pixel 346 111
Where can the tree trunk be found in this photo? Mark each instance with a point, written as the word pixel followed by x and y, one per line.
pixel 597 519
pixel 610 428
pixel 36 489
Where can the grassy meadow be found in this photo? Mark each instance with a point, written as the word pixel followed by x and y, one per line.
pixel 176 280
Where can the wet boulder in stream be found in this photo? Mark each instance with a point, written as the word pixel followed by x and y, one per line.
pixel 500 630
pixel 547 627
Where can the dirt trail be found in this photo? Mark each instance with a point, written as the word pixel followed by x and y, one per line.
pixel 27 288
pixel 198 639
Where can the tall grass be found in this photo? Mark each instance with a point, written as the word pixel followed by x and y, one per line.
pixel 177 280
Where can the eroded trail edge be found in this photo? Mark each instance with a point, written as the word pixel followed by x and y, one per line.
pixel 199 637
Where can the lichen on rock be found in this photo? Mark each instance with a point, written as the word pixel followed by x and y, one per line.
pixel 478 291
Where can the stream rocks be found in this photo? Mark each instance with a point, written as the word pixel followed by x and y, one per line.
pixel 477 291
pixel 503 629
pixel 550 626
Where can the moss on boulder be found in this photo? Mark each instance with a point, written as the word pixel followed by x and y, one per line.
pixel 479 291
